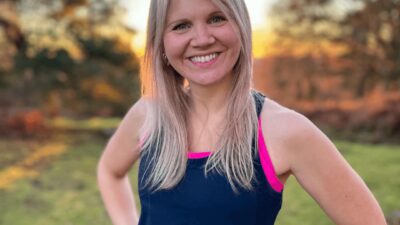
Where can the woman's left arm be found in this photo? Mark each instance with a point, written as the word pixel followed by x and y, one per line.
pixel 328 178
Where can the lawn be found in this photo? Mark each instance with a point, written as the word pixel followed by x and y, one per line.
pixel 53 182
pixel 378 165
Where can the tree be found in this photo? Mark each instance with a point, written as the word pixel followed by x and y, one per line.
pixel 368 30
pixel 73 55
pixel 373 37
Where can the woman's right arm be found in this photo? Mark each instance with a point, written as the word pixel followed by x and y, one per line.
pixel 120 154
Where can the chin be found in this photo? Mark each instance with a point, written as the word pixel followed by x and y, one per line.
pixel 207 82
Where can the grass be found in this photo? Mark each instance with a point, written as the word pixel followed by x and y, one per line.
pixel 13 150
pixel 92 124
pixel 379 167
pixel 65 191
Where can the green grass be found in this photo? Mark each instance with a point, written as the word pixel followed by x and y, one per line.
pixel 65 192
pixel 378 165
pixel 93 124
pixel 11 151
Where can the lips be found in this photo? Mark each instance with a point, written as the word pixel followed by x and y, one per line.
pixel 204 58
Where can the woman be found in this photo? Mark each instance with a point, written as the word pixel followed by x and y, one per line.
pixel 212 150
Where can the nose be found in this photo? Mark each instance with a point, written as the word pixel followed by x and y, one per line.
pixel 202 36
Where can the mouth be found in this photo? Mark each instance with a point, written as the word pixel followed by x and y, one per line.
pixel 204 59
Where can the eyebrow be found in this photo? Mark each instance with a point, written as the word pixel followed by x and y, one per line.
pixel 177 21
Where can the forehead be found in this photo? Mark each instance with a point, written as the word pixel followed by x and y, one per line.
pixel 180 9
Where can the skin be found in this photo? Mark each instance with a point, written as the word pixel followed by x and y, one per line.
pixel 121 152
pixel 296 146
pixel 198 28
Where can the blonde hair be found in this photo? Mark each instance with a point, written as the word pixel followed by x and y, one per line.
pixel 167 121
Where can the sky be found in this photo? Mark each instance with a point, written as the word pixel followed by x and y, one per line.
pixel 137 11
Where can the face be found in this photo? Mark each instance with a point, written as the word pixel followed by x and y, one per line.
pixel 200 42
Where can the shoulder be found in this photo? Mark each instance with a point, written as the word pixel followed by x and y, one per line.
pixel 290 135
pixel 138 110
pixel 134 119
pixel 287 123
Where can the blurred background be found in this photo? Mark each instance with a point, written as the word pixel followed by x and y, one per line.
pixel 69 72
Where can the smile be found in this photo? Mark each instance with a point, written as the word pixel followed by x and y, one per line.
pixel 204 59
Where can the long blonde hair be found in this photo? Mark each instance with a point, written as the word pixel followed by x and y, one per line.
pixel 166 123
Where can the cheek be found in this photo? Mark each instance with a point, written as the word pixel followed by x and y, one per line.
pixel 173 46
pixel 230 38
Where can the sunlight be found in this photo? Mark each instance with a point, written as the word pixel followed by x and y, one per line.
pixel 24 168
pixel 262 43
pixel 138 44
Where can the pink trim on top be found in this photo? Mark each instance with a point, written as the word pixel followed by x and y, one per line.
pixel 142 138
pixel 266 162
pixel 198 155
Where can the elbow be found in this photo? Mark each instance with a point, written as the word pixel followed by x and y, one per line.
pixel 101 171
pixel 107 173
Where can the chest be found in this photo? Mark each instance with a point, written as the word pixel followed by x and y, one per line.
pixel 204 137
pixel 201 199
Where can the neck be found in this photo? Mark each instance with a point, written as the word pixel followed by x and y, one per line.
pixel 210 99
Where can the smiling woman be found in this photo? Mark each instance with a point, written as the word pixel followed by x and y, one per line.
pixel 202 46
pixel 212 149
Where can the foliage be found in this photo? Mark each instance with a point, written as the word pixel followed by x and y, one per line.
pixel 360 40
pixel 375 118
pixel 28 123
pixel 374 44
pixel 70 57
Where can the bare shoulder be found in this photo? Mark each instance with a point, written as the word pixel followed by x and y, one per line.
pixel 139 108
pixel 137 112
pixel 288 134
pixel 131 124
pixel 286 123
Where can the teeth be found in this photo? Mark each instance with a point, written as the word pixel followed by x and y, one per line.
pixel 204 59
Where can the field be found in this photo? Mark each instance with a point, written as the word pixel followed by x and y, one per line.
pixel 54 182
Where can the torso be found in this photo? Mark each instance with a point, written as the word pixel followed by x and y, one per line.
pixel 200 199
pixel 204 136
pixel 274 123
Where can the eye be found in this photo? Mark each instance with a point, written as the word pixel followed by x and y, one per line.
pixel 217 19
pixel 181 26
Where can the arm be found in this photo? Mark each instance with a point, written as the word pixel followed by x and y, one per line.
pixel 120 154
pixel 327 177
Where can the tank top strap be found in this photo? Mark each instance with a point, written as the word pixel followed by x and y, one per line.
pixel 259 101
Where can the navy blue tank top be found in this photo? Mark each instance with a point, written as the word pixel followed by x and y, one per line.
pixel 201 200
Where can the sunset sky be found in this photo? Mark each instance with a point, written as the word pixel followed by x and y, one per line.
pixel 137 18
